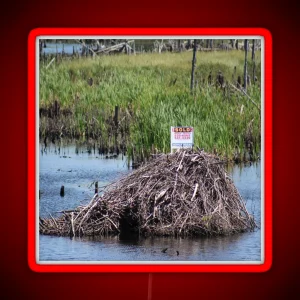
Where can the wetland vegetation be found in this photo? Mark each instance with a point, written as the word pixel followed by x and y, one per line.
pixel 127 103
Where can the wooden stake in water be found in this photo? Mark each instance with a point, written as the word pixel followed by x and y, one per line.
pixel 96 187
pixel 62 191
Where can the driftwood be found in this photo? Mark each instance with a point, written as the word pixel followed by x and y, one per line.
pixel 87 48
pixel 52 60
pixel 118 47
pixel 185 193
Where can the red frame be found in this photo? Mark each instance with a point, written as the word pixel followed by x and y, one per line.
pixel 34 34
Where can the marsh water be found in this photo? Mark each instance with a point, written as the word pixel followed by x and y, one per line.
pixel 78 167
pixel 68 48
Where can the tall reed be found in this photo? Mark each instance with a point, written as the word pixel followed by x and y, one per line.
pixel 153 93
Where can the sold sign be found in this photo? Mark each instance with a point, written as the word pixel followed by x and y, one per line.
pixel 182 137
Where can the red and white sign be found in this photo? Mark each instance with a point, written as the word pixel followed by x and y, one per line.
pixel 182 137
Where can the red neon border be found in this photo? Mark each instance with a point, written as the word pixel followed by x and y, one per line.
pixel 148 32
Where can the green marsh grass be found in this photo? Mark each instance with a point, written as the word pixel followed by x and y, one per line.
pixel 153 93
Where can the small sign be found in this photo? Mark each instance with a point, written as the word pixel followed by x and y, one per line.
pixel 182 137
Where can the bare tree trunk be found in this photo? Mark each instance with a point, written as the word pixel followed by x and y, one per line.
pixel 253 49
pixel 160 46
pixel 253 61
pixel 179 45
pixel 41 47
pixel 237 44
pixel 193 66
pixel 245 65
pixel 232 42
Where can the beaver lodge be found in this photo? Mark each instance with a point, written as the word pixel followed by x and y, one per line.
pixel 180 194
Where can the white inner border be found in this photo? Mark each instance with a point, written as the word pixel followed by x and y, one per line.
pixel 152 262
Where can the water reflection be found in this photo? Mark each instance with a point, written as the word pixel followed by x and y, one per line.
pixel 77 169
pixel 52 48
pixel 239 247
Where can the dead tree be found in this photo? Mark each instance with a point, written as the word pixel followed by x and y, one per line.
pixel 220 79
pixel 248 80
pixel 239 82
pixel 234 74
pixel 253 49
pixel 209 78
pixel 160 46
pixel 193 66
pixel 253 60
pixel 179 45
pixel 232 41
pixel 237 44
pixel 245 65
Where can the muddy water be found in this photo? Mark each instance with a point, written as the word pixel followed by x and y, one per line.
pixel 77 169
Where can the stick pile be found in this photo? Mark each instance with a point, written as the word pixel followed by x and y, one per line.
pixel 185 193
